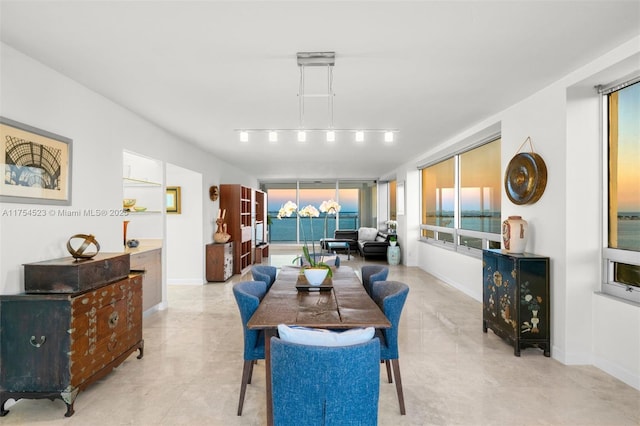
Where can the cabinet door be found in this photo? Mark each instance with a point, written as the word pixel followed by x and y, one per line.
pixel 35 344
pixel 505 281
pixel 534 303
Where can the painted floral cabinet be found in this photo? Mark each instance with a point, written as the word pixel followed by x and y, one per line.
pixel 515 299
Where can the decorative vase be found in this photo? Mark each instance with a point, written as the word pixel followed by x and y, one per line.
pixel 221 236
pixel 514 234
pixel 315 276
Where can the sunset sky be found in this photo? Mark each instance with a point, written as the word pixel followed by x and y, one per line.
pixel 629 149
pixel 348 198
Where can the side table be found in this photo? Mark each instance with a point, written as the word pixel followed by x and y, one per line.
pixel 393 255
pixel 339 244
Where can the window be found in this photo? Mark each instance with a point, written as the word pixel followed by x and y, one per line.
pixel 461 200
pixel 622 144
pixel 356 198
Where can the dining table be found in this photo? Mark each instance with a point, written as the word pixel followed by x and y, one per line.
pixel 340 303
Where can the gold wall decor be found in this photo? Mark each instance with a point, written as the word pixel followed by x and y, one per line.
pixel 525 178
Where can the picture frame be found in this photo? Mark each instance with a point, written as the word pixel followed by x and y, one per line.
pixel 173 200
pixel 36 165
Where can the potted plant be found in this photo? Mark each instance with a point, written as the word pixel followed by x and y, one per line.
pixel 393 240
pixel 314 277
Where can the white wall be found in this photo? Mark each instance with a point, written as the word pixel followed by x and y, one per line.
pixel 100 129
pixel 184 241
pixel 563 120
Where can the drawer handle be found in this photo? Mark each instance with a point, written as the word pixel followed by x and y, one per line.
pixel 113 319
pixel 111 346
pixel 37 344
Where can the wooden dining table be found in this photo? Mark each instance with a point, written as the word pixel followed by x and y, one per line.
pixel 344 305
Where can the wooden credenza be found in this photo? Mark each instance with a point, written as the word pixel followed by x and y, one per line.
pixel 515 299
pixel 219 261
pixel 54 345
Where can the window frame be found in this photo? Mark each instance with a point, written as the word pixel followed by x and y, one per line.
pixel 456 232
pixel 611 256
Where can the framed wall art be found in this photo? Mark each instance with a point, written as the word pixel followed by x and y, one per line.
pixel 36 165
pixel 173 199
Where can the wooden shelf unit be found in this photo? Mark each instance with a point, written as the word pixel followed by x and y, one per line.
pixel 237 200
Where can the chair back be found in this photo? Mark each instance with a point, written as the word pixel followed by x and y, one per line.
pixel 259 272
pixel 390 296
pixel 248 295
pixel 320 385
pixel 371 274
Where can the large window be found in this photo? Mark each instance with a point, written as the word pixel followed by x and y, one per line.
pixel 622 252
pixel 357 200
pixel 461 200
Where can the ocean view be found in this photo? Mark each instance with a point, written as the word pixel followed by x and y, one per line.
pixel 284 230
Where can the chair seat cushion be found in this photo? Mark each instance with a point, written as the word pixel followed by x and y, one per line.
pixel 322 337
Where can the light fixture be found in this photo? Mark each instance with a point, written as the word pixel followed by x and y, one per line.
pixel 326 60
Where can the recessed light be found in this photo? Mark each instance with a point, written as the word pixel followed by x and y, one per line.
pixel 331 136
pixel 302 136
pixel 273 136
pixel 388 136
pixel 244 136
pixel 359 136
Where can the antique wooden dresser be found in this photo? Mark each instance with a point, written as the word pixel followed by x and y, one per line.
pixel 515 299
pixel 53 345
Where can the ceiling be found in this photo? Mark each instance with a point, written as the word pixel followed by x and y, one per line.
pixel 202 69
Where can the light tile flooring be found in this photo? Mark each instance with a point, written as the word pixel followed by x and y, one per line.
pixel 453 374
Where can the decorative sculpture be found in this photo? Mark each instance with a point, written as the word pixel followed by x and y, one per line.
pixel 221 235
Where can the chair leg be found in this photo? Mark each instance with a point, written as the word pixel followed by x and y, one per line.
pixel 388 365
pixel 396 373
pixel 250 372
pixel 246 378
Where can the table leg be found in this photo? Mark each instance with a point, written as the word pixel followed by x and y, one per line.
pixel 268 333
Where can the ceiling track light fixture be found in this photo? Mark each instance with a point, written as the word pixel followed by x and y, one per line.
pixel 317 59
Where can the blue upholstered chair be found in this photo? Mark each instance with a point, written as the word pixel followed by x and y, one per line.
pixel 371 274
pixel 390 296
pixel 329 259
pixel 248 295
pixel 321 385
pixel 264 273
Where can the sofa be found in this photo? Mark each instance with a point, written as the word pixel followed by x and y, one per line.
pixel 372 242
pixel 368 242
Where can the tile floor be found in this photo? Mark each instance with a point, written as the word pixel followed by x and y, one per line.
pixel 453 374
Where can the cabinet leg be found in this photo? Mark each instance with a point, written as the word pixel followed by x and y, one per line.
pixel 516 347
pixel 140 349
pixel 484 326
pixel 70 410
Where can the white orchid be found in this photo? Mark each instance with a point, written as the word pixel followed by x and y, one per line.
pixel 309 211
pixel 330 207
pixel 287 210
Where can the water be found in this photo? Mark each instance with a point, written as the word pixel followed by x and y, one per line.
pixel 284 230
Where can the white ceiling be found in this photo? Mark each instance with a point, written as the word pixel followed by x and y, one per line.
pixel 201 69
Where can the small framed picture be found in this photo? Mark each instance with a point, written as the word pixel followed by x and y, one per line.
pixel 36 165
pixel 173 199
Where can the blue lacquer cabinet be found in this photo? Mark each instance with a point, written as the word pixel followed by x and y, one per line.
pixel 515 299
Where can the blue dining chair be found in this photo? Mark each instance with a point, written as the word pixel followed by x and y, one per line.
pixel 390 296
pixel 321 385
pixel 371 274
pixel 264 273
pixel 248 295
pixel 329 259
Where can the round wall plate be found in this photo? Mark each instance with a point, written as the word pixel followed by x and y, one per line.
pixel 525 178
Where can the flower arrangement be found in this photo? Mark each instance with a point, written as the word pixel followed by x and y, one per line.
pixel 290 208
pixel 392 224
pixel 328 207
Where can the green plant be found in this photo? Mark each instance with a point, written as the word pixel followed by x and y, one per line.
pixel 309 211
pixel 393 238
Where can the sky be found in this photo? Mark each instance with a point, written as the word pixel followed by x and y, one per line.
pixel 629 149
pixel 348 198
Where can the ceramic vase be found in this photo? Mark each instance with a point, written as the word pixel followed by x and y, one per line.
pixel 315 276
pixel 514 234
